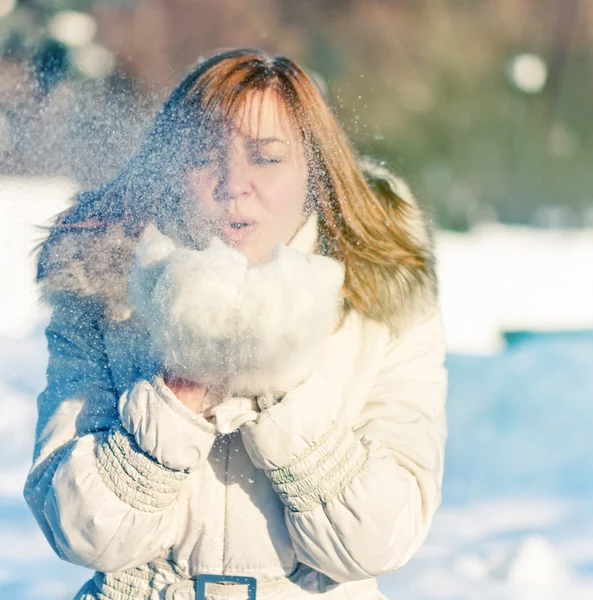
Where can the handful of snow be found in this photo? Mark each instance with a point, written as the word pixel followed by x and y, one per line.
pixel 219 321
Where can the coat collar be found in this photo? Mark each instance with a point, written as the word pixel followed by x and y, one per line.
pixel 306 236
pixel 96 264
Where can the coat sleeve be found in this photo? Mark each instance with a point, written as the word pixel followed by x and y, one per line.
pixel 106 470
pixel 360 499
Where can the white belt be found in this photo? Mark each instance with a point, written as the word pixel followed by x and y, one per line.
pixel 161 579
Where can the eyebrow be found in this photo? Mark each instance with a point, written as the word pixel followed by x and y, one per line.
pixel 262 141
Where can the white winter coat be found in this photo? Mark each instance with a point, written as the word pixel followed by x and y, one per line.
pixel 316 493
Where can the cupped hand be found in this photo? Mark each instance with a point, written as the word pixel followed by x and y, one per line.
pixel 191 393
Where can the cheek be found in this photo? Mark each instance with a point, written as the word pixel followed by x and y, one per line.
pixel 201 191
pixel 285 195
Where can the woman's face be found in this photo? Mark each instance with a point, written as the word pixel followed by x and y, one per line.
pixel 250 190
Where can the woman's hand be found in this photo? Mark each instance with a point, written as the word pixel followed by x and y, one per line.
pixel 191 393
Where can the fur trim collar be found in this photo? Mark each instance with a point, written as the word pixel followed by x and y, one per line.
pixel 96 263
pixel 411 295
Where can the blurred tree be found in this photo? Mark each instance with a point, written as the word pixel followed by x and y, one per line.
pixel 447 91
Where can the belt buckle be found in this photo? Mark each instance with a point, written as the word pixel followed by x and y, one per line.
pixel 201 581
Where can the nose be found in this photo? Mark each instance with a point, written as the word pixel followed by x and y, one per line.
pixel 234 179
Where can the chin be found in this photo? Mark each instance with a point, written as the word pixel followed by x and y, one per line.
pixel 254 256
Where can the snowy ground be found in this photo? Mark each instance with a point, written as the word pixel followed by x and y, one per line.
pixel 517 517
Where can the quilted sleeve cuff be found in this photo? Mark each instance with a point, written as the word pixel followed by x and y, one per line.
pixel 322 471
pixel 133 476
pixel 305 445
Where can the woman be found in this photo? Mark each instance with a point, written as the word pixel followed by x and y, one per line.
pixel 246 385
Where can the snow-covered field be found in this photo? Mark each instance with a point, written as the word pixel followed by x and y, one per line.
pixel 517 515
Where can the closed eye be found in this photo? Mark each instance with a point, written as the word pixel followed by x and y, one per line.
pixel 203 162
pixel 266 160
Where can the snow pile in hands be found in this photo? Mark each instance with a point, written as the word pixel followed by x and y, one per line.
pixel 217 320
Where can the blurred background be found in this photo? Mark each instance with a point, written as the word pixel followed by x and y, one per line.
pixel 485 107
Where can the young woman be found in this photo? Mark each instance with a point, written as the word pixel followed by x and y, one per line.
pixel 246 383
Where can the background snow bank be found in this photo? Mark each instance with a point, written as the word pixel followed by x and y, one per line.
pixel 516 521
pixel 503 278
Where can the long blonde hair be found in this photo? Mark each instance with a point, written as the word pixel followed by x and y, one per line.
pixel 363 222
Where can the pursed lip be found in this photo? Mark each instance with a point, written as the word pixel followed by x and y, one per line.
pixel 236 229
